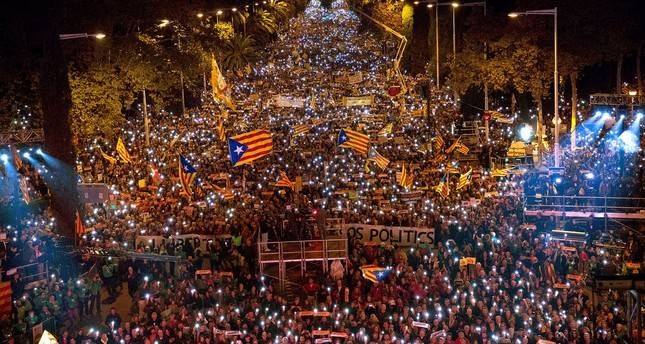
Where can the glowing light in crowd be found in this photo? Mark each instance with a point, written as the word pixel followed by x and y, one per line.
pixel 526 133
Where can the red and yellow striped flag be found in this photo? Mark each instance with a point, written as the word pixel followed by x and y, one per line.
pixel 354 140
pixel 406 179
pixel 123 152
pixel 465 179
pixel 284 181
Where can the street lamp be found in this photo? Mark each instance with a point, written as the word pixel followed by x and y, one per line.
pixel 550 12
pixel 66 36
pixel 453 5
pixel 217 14
pixel 200 15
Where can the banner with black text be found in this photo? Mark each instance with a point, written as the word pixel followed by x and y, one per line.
pixel 198 241
pixel 402 236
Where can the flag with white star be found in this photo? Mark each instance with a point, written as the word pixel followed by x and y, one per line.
pixel 375 273
pixel 245 148
pixel 187 174
pixel 354 140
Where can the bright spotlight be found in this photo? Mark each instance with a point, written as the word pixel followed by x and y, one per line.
pixel 558 180
pixel 639 115
pixel 4 158
pixel 589 175
pixel 629 141
pixel 26 155
pixel 39 151
pixel 598 113
pixel 526 133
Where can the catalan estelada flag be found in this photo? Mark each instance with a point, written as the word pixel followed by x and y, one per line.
pixel 501 172
pixel 112 160
pixel 406 179
pixel 452 169
pixel 380 160
pixel 375 273
pixel 443 188
pixel 78 225
pixel 187 174
pixel 462 148
pixel 225 192
pixel 386 130
pixel 458 146
pixel 122 151
pixel 221 133
pixel 247 147
pixel 465 179
pixel 500 117
pixel 354 140
pixel 438 143
pixel 285 181
pixel 221 91
pixel 301 129
pixel 318 121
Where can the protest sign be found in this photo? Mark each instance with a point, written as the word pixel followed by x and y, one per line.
pixel 404 236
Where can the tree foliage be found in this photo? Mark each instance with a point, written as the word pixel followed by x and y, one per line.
pixel 238 52
pixel 98 98
pixel 264 23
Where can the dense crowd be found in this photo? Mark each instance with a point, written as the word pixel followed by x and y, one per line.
pixel 520 285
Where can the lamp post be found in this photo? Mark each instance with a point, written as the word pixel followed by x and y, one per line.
pixel 453 5
pixel 67 36
pixel 550 12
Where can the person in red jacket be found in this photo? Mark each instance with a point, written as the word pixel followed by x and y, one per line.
pixel 312 288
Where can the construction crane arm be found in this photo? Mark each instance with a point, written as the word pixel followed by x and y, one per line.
pixel 399 53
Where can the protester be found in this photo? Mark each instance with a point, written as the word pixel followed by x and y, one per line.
pixel 517 284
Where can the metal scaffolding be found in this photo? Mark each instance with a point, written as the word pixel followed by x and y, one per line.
pixel 13 137
pixel 281 253
pixel 609 99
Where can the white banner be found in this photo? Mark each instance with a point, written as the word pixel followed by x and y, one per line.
pixel 402 236
pixel 286 101
pixel 355 78
pixel 358 101
pixel 197 240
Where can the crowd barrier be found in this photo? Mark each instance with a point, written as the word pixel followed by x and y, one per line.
pixel 587 204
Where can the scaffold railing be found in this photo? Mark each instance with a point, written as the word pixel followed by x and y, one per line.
pixel 281 253
pixel 609 99
pixel 304 250
pixel 12 137
pixel 586 204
